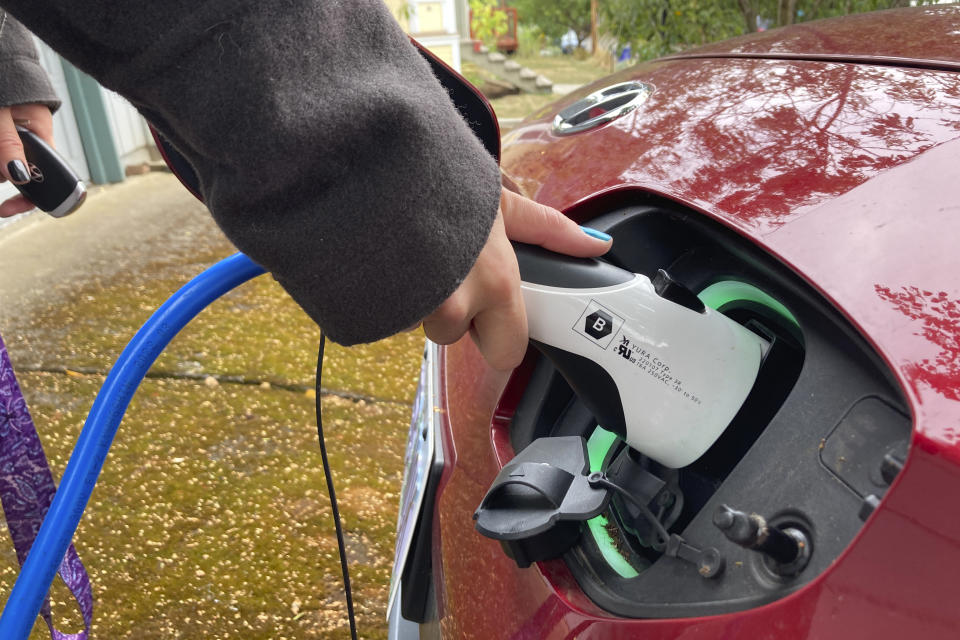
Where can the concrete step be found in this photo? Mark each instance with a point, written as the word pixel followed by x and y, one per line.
pixel 503 67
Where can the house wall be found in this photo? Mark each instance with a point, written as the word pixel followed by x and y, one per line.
pixel 434 23
pixel 65 132
pixel 131 136
pixel 400 10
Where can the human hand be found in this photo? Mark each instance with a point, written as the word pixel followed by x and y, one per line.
pixel 13 164
pixel 489 303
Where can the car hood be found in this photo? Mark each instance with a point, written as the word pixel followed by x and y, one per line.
pixel 845 172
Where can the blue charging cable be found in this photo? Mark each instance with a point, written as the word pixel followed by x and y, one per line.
pixel 98 432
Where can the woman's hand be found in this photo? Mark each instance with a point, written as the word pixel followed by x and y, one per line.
pixel 13 164
pixel 489 303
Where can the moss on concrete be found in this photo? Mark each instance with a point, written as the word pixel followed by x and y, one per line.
pixel 211 518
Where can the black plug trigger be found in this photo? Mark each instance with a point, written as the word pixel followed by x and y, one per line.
pixel 672 290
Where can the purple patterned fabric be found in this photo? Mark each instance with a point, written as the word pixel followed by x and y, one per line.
pixel 26 490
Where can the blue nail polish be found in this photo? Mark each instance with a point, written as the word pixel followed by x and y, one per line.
pixel 593 233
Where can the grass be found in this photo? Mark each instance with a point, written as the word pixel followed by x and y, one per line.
pixel 211 519
pixel 521 105
pixel 565 69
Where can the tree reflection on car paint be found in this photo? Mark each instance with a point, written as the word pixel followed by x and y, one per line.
pixel 806 131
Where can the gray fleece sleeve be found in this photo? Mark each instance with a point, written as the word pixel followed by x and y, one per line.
pixel 325 148
pixel 22 79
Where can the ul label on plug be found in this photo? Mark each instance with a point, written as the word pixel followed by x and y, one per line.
pixel 598 324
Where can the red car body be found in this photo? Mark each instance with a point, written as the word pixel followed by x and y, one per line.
pixel 833 148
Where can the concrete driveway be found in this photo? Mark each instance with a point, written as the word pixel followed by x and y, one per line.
pixel 123 228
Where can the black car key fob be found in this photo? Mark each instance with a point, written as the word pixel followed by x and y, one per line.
pixel 54 186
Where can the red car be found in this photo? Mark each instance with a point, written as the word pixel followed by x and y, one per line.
pixel 805 183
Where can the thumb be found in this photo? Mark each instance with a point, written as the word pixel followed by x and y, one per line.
pixel 534 223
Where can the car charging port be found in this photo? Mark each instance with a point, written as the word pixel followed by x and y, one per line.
pixel 708 562
pixel 778 373
pixel 822 430
pixel 786 548
pixel 659 493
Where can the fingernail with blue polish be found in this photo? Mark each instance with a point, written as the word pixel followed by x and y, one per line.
pixel 593 233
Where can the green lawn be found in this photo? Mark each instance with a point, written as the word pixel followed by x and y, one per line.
pixel 565 69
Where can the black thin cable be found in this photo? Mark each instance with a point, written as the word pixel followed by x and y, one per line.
pixel 333 499
pixel 602 480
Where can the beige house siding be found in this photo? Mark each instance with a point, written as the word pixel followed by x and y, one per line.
pixel 434 23
pixel 400 11
pixel 445 53
pixel 430 17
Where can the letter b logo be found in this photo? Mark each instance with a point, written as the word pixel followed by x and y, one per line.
pixel 599 324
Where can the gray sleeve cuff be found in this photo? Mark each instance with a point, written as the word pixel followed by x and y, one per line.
pixel 22 79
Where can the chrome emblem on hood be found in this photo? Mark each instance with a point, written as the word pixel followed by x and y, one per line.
pixel 601 107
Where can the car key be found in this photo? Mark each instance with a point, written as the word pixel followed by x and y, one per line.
pixel 54 186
